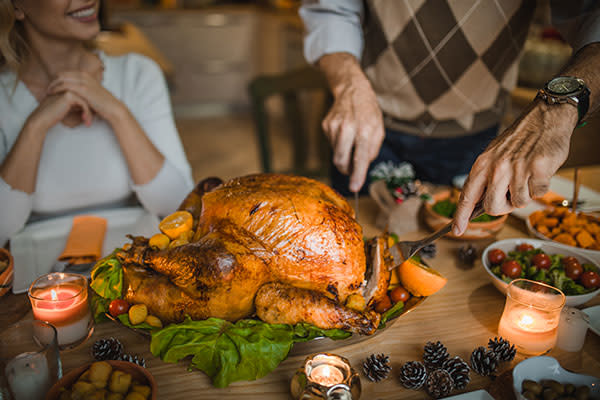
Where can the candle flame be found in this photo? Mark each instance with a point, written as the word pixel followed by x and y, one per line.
pixel 526 320
pixel 53 294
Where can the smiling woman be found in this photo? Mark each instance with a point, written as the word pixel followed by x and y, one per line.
pixel 78 128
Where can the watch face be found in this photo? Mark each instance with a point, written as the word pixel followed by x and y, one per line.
pixel 564 85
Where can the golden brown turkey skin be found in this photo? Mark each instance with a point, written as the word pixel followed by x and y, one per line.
pixel 309 229
pixel 221 272
pixel 278 303
pixel 163 299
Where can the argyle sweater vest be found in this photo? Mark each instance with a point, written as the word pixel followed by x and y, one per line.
pixel 444 68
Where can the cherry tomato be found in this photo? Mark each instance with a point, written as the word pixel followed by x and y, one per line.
pixel 399 294
pixel 570 261
pixel 383 305
pixel 496 256
pixel 524 247
pixel 541 260
pixel 118 307
pixel 590 279
pixel 574 270
pixel 511 268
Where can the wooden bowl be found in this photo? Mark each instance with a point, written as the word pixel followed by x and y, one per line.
pixel 475 230
pixel 6 277
pixel 137 373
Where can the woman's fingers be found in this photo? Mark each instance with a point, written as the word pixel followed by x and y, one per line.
pixel 75 101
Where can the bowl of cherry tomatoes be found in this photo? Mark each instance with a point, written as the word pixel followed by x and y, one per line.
pixel 576 275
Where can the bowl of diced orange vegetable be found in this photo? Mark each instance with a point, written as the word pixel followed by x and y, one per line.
pixel 561 225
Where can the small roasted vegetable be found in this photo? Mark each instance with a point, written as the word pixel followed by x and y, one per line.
pixel 138 314
pixel 153 321
pixel 119 382
pixel 99 373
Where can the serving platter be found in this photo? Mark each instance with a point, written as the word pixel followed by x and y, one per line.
pixel 318 344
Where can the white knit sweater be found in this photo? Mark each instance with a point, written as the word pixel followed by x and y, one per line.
pixel 84 167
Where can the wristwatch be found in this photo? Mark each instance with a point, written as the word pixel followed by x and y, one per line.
pixel 567 89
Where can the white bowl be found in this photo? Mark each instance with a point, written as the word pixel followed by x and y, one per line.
pixel 544 367
pixel 592 254
pixel 548 247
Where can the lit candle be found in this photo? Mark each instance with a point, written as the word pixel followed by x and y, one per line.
pixel 531 315
pixel 28 376
pixel 326 375
pixel 62 300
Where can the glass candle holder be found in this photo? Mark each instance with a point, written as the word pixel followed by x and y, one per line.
pixel 326 376
pixel 61 299
pixel 29 360
pixel 531 316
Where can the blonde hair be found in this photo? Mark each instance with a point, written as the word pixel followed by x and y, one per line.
pixel 13 46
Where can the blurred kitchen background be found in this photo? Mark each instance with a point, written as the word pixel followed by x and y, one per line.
pixel 243 96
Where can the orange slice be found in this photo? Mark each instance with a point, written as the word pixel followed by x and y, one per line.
pixel 177 223
pixel 419 279
pixel 160 241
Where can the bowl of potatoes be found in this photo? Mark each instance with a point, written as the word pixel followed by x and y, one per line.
pixel 108 380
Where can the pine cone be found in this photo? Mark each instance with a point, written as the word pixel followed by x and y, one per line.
pixel 413 375
pixel 134 359
pixel 483 361
pixel 467 254
pixel 458 370
pixel 428 251
pixel 439 384
pixel 107 349
pixel 377 367
pixel 503 349
pixel 435 354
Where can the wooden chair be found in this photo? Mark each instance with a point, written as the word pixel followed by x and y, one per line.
pixel 289 86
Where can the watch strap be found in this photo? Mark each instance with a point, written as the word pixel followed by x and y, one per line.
pixel 583 104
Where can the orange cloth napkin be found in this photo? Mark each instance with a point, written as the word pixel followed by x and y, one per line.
pixel 85 240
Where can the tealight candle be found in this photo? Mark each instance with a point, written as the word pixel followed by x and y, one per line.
pixel 29 360
pixel 531 315
pixel 62 300
pixel 326 376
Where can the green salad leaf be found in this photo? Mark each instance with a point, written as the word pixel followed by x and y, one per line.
pixel 447 208
pixel 227 352
pixel 106 284
pixel 124 318
pixel 555 275
pixel 107 277
pixel 391 313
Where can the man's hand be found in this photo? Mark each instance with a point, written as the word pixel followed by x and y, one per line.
pixel 517 166
pixel 354 125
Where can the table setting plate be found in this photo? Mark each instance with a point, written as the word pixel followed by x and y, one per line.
pixel 594 314
pixel 36 248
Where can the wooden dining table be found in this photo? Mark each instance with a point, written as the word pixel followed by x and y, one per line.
pixel 463 316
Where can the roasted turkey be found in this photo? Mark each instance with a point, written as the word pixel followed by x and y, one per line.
pixel 284 248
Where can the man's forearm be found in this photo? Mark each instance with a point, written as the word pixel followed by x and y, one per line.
pixel 341 71
pixel 585 64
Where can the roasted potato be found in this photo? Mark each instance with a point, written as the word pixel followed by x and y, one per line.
pixel 99 373
pixel 144 390
pixel 119 382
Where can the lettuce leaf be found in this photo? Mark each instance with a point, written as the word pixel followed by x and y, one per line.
pixel 227 352
pixel 124 318
pixel 107 277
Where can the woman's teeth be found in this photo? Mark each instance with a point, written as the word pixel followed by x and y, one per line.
pixel 88 12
